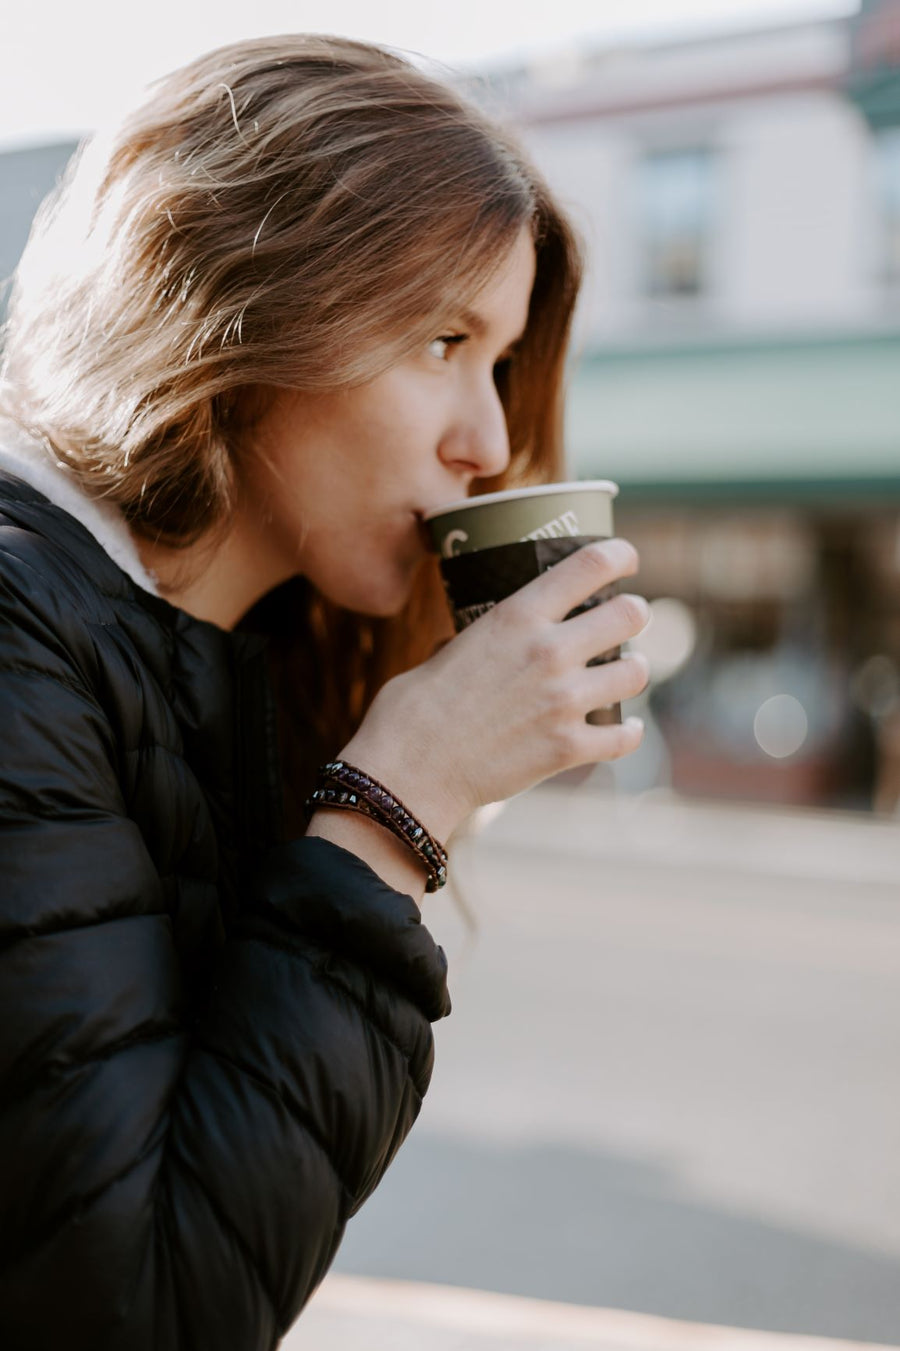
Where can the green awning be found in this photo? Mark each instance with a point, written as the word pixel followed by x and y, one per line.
pixel 813 417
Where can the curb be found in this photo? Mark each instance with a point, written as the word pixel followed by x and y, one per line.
pixel 350 1313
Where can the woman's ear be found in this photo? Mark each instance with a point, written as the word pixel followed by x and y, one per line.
pixel 240 409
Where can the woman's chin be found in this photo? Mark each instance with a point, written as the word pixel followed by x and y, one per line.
pixel 376 598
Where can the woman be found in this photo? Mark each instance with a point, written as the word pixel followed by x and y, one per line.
pixel 301 296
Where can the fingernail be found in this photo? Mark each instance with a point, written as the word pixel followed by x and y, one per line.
pixel 621 550
pixel 637 723
pixel 642 604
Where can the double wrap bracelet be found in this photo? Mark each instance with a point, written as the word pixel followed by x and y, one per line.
pixel 345 786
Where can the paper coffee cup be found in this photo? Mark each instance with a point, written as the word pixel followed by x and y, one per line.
pixel 492 545
pixel 548 511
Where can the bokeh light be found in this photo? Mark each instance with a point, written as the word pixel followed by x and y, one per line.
pixel 875 686
pixel 780 726
pixel 669 638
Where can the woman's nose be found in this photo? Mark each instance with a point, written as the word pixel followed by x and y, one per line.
pixel 480 438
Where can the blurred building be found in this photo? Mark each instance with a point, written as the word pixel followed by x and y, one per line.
pixel 26 176
pixel 739 377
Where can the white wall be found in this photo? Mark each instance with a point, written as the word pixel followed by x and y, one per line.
pixel 794 236
pixel 794 245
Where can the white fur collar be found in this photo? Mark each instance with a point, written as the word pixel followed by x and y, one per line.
pixel 30 459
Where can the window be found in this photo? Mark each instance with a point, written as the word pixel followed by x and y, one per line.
pixel 676 205
pixel 887 186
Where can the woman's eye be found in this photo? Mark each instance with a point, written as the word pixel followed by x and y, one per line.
pixel 441 347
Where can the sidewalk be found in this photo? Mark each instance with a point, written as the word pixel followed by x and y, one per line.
pixel 672 831
pixel 812 958
pixel 351 1313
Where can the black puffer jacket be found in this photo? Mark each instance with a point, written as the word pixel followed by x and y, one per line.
pixel 211 1044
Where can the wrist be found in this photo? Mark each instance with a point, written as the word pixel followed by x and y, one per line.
pixel 433 804
pixel 345 787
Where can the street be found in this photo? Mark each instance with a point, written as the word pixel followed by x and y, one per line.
pixel 670 1080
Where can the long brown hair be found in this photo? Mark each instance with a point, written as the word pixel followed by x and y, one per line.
pixel 284 212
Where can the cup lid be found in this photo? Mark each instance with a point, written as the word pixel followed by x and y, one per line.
pixel 539 490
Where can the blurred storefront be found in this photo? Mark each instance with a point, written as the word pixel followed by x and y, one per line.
pixel 761 482
pixel 739 378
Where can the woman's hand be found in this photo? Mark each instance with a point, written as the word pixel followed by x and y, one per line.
pixel 503 704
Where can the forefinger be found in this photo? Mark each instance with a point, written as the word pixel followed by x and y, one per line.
pixel 577 577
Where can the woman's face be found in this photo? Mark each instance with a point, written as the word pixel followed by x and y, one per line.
pixel 340 481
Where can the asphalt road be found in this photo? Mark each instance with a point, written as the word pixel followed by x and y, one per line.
pixel 671 1080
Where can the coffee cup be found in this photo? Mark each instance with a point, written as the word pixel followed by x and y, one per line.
pixel 492 545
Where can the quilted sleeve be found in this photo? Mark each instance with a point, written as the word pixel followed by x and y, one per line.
pixel 170 1182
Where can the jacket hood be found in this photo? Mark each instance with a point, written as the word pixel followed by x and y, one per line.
pixel 30 459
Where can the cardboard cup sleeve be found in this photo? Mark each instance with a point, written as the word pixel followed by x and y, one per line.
pixel 476 582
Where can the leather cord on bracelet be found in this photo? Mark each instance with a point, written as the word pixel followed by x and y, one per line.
pixel 345 786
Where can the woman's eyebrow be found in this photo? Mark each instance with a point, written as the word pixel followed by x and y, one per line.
pixel 474 322
pixel 476 325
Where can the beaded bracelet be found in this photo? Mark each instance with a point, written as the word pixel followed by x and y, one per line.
pixel 343 785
